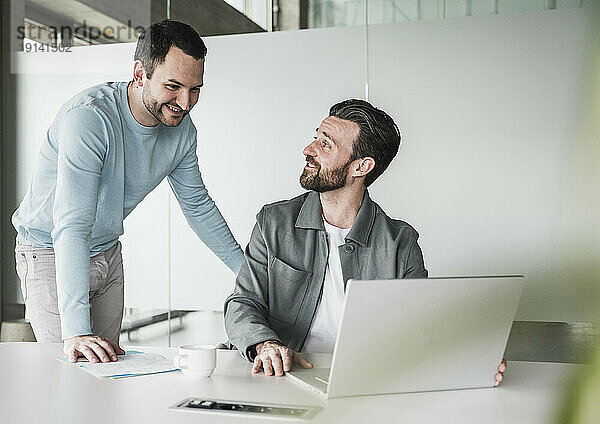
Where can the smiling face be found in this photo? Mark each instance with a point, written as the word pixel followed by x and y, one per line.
pixel 174 87
pixel 330 155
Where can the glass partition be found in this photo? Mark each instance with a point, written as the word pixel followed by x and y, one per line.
pixel 171 298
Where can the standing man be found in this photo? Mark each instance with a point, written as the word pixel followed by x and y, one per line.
pixel 108 147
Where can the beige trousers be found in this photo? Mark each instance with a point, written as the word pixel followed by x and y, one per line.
pixel 37 272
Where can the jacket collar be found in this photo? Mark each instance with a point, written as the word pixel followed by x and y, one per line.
pixel 311 217
pixel 311 213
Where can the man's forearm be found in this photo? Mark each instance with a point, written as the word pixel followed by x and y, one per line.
pixel 72 260
pixel 211 228
pixel 246 326
pixel 201 212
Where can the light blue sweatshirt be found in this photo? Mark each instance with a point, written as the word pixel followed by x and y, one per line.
pixel 95 165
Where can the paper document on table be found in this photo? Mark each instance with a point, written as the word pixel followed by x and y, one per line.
pixel 132 364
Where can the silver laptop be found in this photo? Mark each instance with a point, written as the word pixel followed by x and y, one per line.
pixel 400 336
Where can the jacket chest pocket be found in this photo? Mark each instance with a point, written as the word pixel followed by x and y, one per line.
pixel 287 290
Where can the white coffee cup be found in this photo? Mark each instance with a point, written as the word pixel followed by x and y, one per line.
pixel 196 360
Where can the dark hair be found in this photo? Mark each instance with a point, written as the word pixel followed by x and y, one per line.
pixel 378 138
pixel 154 43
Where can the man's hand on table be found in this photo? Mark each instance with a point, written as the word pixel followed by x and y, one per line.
pixel 276 359
pixel 500 374
pixel 272 357
pixel 94 348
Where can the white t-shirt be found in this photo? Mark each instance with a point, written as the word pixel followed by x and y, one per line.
pixel 323 330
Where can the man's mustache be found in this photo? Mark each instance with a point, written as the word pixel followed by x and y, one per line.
pixel 312 161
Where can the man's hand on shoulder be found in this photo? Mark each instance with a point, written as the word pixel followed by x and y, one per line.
pixel 500 374
pixel 94 348
pixel 276 359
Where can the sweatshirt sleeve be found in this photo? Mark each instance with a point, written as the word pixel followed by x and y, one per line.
pixel 82 146
pixel 200 210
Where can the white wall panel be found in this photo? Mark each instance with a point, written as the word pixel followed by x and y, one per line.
pixel 489 111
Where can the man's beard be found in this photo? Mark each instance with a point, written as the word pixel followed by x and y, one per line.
pixel 322 181
pixel 155 109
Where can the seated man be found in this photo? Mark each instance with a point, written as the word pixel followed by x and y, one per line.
pixel 289 293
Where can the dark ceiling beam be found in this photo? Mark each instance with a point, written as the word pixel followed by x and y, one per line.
pixel 136 12
pixel 208 17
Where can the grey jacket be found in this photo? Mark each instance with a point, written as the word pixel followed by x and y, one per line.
pixel 279 286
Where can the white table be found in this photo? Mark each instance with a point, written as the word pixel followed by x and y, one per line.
pixel 37 388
